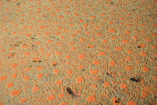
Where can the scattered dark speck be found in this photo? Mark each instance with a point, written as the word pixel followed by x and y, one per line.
pixel 133 9
pixel 16 45
pixel 111 3
pixel 54 64
pixel 18 4
pixel 135 80
pixel 52 37
pixel 117 101
pixel 34 61
pixel 107 73
pixel 40 61
pixel 139 47
pixel 83 69
pixel 70 91
pixel 37 61
pixel 149 15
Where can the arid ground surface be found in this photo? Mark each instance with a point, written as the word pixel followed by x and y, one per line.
pixel 78 52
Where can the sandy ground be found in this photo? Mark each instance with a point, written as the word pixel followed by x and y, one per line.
pixel 78 52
